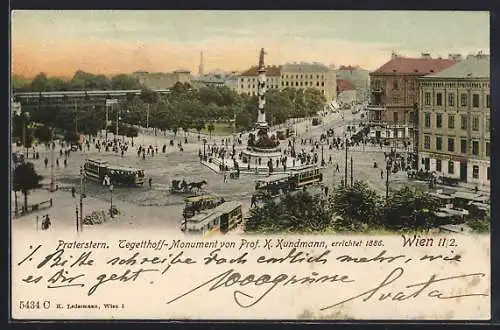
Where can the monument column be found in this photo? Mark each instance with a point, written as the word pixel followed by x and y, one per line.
pixel 261 92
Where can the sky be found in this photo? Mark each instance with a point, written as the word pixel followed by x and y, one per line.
pixel 110 42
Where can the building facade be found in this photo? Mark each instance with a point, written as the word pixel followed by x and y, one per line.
pixel 346 92
pixel 393 105
pixel 454 121
pixel 248 80
pixel 163 80
pixel 310 75
pixel 359 77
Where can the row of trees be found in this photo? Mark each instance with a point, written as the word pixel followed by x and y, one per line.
pixel 354 208
pixel 81 80
pixel 184 108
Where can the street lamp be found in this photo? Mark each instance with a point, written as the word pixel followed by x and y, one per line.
pixel 111 206
pixel 204 149
pixel 387 169
pixel 322 156
pixel 25 118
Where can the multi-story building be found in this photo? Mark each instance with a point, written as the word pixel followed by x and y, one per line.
pixel 346 92
pixel 359 77
pixel 248 80
pixel 394 96
pixel 454 121
pixel 310 75
pixel 163 80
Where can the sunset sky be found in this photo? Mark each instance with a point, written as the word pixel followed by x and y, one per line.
pixel 110 42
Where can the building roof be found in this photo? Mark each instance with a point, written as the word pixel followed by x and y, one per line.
pixel 417 66
pixel 348 68
pixel 271 70
pixel 476 66
pixel 305 67
pixel 344 85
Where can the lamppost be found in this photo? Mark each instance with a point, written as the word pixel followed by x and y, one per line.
pixel 111 206
pixel 387 169
pixel 204 149
pixel 25 118
pixel 322 156
pixel 82 195
pixel 345 174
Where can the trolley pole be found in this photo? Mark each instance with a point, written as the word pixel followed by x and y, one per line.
pixel 81 198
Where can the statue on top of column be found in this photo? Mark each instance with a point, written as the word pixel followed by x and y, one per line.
pixel 261 59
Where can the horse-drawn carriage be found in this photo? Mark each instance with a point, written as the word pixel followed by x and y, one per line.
pixel 182 187
pixel 447 181
pixel 234 174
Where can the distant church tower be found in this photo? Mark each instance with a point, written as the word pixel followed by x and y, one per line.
pixel 200 67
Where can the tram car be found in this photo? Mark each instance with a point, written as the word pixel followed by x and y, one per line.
pixel 197 204
pixel 278 184
pixel 97 170
pixel 219 220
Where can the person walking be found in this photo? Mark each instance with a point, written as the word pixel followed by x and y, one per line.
pixel 225 177
pixel 337 167
pixel 382 174
pixel 150 181
pixel 46 162
pixel 253 201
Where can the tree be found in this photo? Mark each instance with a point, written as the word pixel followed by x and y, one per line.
pixel 26 179
pixel 210 128
pixel 72 137
pixel 200 125
pixel 299 212
pixel 411 209
pixel 358 206
pixel 43 134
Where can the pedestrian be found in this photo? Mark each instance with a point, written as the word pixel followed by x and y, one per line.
pixel 46 161
pixel 253 201
pixel 46 222
pixel 337 167
pixel 326 190
pixel 150 181
pixel 225 177
pixel 382 174
pixel 73 192
pixel 57 162
pixel 65 162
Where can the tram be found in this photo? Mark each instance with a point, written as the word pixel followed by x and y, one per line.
pixel 297 178
pixel 219 220
pixel 97 170
pixel 304 176
pixel 197 204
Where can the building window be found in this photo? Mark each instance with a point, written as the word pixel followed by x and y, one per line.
pixel 475 123
pixel 438 165
pixel 488 174
pixel 475 100
pixel 439 99
pixel 439 143
pixel 427 98
pixel 296 83
pixel 475 148
pixel 301 83
pixel 317 84
pixel 463 146
pixel 451 121
pixel 487 149
pixel 451 167
pixel 395 84
pixel 287 83
pixel 475 172
pixel 463 99
pixel 439 120
pixel 427 119
pixel 488 100
pixel 463 122
pixel 451 99
pixel 317 76
pixel 451 144
pixel 427 142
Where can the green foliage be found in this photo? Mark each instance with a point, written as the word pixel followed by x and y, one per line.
pixel 43 134
pixel 25 179
pixel 411 209
pixel 480 225
pixel 296 213
pixel 357 206
pixel 72 137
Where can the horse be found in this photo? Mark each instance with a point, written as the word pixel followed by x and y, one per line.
pixel 197 185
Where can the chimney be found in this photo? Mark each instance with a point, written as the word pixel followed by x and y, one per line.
pixel 425 55
pixel 394 55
